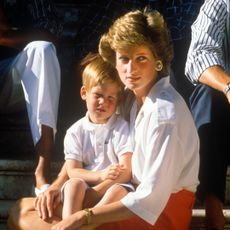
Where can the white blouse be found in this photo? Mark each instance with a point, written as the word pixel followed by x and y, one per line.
pixel 166 151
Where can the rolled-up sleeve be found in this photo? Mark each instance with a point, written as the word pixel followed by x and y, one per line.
pixel 207 39
pixel 151 195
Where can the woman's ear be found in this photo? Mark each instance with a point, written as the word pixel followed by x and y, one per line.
pixel 83 92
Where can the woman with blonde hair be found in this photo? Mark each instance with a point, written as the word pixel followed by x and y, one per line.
pixel 165 161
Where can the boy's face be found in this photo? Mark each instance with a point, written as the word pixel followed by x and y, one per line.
pixel 101 101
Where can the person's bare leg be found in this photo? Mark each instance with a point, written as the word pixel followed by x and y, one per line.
pixel 115 193
pixel 214 213
pixel 23 216
pixel 74 193
pixel 44 149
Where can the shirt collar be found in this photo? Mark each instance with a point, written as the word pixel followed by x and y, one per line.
pixel 92 126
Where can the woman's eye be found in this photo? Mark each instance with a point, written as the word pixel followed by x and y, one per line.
pixel 141 58
pixel 123 59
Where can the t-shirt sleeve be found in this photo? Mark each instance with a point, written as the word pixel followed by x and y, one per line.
pixel 72 146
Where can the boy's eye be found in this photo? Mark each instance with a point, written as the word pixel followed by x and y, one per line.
pixel 97 95
pixel 111 98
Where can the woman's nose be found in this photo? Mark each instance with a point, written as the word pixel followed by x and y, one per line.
pixel 130 66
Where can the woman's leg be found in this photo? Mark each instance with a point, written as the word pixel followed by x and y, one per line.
pixel 23 216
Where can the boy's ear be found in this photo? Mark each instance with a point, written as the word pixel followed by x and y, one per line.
pixel 83 93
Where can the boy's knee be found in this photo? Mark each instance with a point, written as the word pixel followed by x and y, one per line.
pixel 76 183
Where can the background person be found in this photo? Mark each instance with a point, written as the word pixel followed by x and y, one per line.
pixel 207 67
pixel 29 69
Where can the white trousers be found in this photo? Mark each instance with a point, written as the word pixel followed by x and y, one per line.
pixel 38 69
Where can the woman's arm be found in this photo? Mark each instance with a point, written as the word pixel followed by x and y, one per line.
pixel 102 214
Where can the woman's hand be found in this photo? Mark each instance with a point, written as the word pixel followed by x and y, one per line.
pixel 72 222
pixel 112 172
pixel 47 202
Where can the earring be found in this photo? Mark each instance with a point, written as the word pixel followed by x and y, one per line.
pixel 159 65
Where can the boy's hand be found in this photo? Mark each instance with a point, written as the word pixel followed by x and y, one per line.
pixel 112 172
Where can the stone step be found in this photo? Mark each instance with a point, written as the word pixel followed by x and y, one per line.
pixel 199 215
pixel 5 206
pixel 16 181
pixel 16 178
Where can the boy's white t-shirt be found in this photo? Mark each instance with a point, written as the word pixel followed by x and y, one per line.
pixel 97 145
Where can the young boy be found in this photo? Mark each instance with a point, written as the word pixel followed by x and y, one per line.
pixel 97 147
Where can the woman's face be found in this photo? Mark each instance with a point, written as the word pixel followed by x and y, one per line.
pixel 136 68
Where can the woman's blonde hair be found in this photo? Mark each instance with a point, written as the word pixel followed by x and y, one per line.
pixel 97 71
pixel 138 27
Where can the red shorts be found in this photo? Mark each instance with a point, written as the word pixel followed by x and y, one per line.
pixel 176 216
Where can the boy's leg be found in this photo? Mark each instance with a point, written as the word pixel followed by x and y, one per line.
pixel 115 193
pixel 73 196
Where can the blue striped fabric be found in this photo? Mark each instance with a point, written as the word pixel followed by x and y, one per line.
pixel 208 37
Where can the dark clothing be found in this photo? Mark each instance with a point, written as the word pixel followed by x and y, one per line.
pixel 37 14
pixel 211 112
pixel 97 18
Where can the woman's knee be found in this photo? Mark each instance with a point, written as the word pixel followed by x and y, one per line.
pixel 18 211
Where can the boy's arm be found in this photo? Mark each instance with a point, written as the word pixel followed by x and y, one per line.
pixel 124 177
pixel 117 173
pixel 75 170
